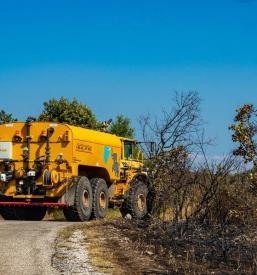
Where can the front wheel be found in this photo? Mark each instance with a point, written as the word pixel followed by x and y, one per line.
pixel 82 208
pixel 136 202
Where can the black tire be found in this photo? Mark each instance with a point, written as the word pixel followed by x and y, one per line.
pixel 82 209
pixel 100 198
pixel 23 213
pixel 34 213
pixel 8 213
pixel 136 201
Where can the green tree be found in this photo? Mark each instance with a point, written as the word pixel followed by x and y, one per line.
pixel 6 118
pixel 244 133
pixel 72 112
pixel 121 126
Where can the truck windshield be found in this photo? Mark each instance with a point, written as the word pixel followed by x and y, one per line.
pixel 128 149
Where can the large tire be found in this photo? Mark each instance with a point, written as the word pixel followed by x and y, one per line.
pixel 23 213
pixel 82 209
pixel 8 213
pixel 34 213
pixel 100 198
pixel 136 201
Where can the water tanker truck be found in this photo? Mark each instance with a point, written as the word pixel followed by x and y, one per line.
pixel 82 171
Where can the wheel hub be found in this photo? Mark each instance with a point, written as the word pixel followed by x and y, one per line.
pixel 141 202
pixel 102 200
pixel 85 199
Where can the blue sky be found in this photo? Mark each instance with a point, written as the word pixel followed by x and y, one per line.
pixel 129 56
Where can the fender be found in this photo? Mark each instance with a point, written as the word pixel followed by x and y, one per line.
pixel 68 197
pixel 142 177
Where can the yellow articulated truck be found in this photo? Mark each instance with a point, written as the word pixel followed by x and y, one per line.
pixel 83 171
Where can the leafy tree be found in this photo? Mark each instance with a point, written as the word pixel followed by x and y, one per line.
pixel 71 112
pixel 244 132
pixel 6 118
pixel 121 126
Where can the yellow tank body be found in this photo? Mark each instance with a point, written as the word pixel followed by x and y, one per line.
pixel 44 164
pixel 72 152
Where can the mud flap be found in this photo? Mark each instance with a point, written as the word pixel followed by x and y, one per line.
pixel 69 196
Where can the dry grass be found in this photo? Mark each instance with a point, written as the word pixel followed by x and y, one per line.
pixel 118 246
pixel 54 214
pixel 110 250
pixel 195 248
pixel 113 213
pixel 57 214
pixel 102 257
pixel 114 252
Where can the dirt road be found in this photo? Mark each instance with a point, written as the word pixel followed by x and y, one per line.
pixel 27 247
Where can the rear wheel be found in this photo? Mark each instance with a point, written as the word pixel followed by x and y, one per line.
pixel 35 213
pixel 136 202
pixel 8 213
pixel 24 213
pixel 82 208
pixel 100 198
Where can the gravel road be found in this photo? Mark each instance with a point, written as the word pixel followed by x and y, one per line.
pixel 27 247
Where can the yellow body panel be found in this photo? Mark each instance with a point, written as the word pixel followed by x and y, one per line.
pixel 96 149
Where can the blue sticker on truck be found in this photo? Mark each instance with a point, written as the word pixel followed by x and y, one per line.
pixel 107 152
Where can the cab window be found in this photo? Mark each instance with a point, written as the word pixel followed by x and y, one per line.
pixel 128 149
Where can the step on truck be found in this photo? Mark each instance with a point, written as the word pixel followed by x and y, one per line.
pixel 82 171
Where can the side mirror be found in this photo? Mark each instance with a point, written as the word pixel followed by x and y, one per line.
pixel 152 147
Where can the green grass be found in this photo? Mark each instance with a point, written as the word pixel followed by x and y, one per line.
pixel 113 213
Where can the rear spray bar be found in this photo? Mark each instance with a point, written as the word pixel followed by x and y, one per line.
pixel 28 203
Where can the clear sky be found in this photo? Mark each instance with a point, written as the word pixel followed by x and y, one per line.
pixel 129 56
